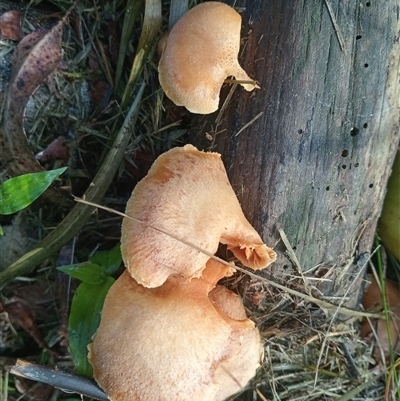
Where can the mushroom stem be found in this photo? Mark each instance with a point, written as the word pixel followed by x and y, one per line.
pixel 177 9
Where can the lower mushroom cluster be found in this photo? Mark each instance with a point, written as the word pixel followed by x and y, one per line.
pixel 186 338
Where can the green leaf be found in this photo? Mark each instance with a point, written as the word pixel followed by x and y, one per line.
pixel 89 273
pixel 1 230
pixel 83 321
pixel 19 192
pixel 109 260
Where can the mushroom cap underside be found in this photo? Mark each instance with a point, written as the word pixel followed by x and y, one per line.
pixel 184 206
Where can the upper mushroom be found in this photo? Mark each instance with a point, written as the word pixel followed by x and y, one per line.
pixel 200 52
pixel 187 194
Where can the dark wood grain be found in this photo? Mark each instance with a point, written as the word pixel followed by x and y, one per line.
pixel 316 162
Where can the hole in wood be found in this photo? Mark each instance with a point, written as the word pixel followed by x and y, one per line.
pixel 358 37
pixel 371 185
pixel 345 153
pixel 366 65
pixel 344 167
pixel 356 164
pixel 368 3
pixel 354 131
pixel 327 188
pixel 365 125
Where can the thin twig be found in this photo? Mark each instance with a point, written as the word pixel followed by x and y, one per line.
pixel 293 258
pixel 336 26
pixel 249 123
pixel 324 305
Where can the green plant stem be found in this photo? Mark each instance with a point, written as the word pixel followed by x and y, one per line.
pixel 131 13
pixel 150 30
pixel 81 213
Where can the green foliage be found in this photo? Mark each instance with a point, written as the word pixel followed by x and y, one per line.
pixel 89 273
pixel 84 320
pixel 88 301
pixel 19 192
pixel 109 261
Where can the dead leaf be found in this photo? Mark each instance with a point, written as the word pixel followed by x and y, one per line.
pixel 36 56
pixel 32 390
pixel 10 25
pixel 100 92
pixel 373 302
pixel 56 150
pixel 258 297
pixel 20 315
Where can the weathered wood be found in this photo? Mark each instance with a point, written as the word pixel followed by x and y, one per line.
pixel 317 160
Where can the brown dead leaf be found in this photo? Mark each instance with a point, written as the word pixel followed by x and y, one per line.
pixel 10 25
pixel 373 302
pixel 20 315
pixel 56 150
pixel 36 56
pixel 100 92
pixel 33 391
pixel 258 297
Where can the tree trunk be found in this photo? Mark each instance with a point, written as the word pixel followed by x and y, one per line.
pixel 311 151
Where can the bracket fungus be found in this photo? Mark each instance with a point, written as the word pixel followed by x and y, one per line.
pixel 173 342
pixel 200 52
pixel 186 193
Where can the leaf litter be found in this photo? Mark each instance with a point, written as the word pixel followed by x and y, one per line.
pixel 293 327
pixel 35 58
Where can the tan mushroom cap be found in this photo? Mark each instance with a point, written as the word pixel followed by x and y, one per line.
pixel 171 343
pixel 201 51
pixel 186 193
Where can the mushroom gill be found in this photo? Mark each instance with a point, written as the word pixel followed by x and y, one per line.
pixel 186 193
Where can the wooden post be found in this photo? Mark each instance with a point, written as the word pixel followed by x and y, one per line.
pixel 311 151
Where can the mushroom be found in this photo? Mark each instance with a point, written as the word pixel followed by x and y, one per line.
pixel 187 194
pixel 201 51
pixel 173 342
